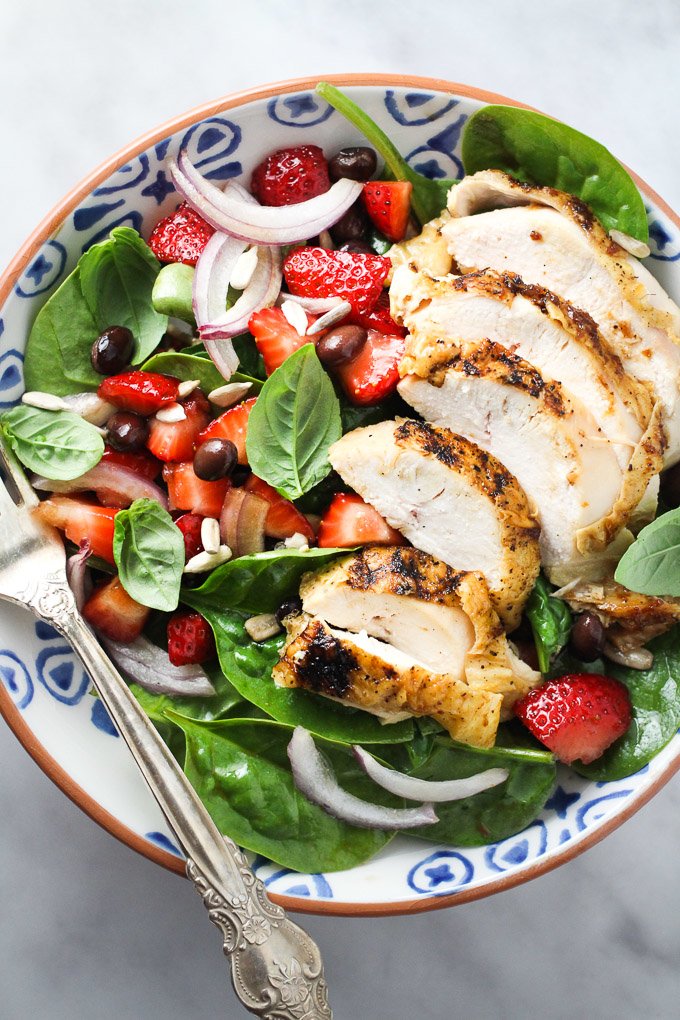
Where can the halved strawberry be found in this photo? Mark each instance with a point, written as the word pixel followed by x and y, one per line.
pixel 142 463
pixel 81 521
pixel 354 277
pixel 114 613
pixel 190 526
pixel 378 318
pixel 374 373
pixel 188 492
pixel 190 639
pixel 231 425
pixel 349 521
pixel 284 519
pixel 388 203
pixel 276 339
pixel 141 392
pixel 176 440
pixel 181 236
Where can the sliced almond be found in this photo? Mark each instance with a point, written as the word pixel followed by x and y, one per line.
pixel 187 387
pixel 44 401
pixel 230 393
pixel 330 318
pixel 243 271
pixel 203 561
pixel 296 316
pixel 296 541
pixel 210 534
pixel 259 628
pixel 171 413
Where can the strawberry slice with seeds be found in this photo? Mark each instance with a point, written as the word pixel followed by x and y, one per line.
pixel 114 613
pixel 349 521
pixel 276 339
pixel 388 203
pixel 354 277
pixel 190 526
pixel 232 425
pixel 176 440
pixel 181 236
pixel 142 463
pixel 291 175
pixel 141 392
pixel 577 716
pixel 186 491
pixel 283 519
pixel 379 318
pixel 190 639
pixel 374 374
pixel 81 521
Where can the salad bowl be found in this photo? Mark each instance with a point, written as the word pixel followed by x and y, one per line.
pixel 44 693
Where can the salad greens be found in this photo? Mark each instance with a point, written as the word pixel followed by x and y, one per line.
pixel 192 366
pixel 293 424
pixel 172 292
pixel 651 565
pixel 550 621
pixel 149 552
pixel 57 444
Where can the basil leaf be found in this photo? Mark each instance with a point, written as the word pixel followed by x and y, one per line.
pixel 429 196
pixel 258 583
pixel 293 424
pixel 550 621
pixel 191 366
pixel 651 565
pixel 57 444
pixel 148 549
pixel 540 150
pixel 240 770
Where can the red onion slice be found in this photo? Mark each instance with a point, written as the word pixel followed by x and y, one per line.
pixel 259 224
pixel 113 480
pixel 411 788
pixel 212 276
pixel 150 667
pixel 316 306
pixel 77 575
pixel 242 522
pixel 315 780
pixel 261 292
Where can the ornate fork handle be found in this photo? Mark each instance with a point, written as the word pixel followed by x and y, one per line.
pixel 276 967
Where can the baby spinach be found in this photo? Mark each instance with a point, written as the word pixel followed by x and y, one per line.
pixel 241 772
pixel 429 196
pixel 293 424
pixel 250 360
pixel 190 366
pixel 651 565
pixel 540 150
pixel 57 444
pixel 148 549
pixel 111 285
pixel 550 621
pixel 258 583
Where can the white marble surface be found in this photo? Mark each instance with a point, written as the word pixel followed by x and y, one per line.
pixel 87 928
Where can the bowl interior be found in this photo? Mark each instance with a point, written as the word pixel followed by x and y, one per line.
pixel 44 691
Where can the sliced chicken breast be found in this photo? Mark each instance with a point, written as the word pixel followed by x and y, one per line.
pixel 631 619
pixel 450 499
pixel 552 239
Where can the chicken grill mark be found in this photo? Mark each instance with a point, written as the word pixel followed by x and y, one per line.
pixel 403 571
pixel 325 666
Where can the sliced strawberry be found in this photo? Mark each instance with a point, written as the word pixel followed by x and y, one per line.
pixel 141 392
pixel 292 175
pixel 276 339
pixel 317 273
pixel 190 639
pixel 284 519
pixel 349 521
pixel 142 463
pixel 374 373
pixel 231 425
pixel 378 318
pixel 176 440
pixel 181 236
pixel 577 716
pixel 81 521
pixel 188 492
pixel 190 526
pixel 113 612
pixel 388 203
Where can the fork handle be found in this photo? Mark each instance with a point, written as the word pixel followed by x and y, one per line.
pixel 276 967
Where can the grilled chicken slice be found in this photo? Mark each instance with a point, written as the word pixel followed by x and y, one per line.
pixel 427 251
pixel 450 499
pixel 631 619
pixel 547 439
pixel 552 239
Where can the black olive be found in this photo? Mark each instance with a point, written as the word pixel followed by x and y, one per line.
pixel 112 350
pixel 215 458
pixel 670 486
pixel 240 475
pixel 357 162
pixel 127 432
pixel 341 345
pixel 587 637
pixel 351 226
pixel 288 608
pixel 357 248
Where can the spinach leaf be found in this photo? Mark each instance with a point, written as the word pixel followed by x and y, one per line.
pixel 258 583
pixel 293 424
pixel 355 416
pixel 57 444
pixel 117 278
pixel 148 549
pixel 317 499
pixel 249 664
pixel 429 196
pixel 651 565
pixel 190 366
pixel 540 150
pixel 550 621
pixel 250 360
pixel 240 770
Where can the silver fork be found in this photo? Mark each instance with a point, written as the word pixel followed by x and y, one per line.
pixel 276 967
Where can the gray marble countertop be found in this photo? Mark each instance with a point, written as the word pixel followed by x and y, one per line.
pixel 87 928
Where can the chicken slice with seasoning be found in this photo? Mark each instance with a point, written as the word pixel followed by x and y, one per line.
pixel 449 498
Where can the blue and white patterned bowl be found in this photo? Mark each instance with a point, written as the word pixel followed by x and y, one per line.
pixel 43 689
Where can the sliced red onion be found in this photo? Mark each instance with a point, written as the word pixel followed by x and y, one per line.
pixel 150 667
pixel 107 477
pixel 259 224
pixel 242 522
pixel 212 276
pixel 315 780
pixel 90 406
pixel 262 291
pixel 411 788
pixel 315 306
pixel 77 575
